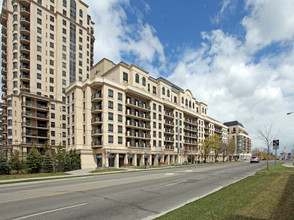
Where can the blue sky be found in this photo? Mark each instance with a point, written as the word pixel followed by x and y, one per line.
pixel 235 55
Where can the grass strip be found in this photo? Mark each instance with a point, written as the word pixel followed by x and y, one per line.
pixel 24 176
pixel 267 195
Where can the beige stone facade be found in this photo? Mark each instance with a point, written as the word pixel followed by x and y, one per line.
pixel 46 46
pixel 122 116
pixel 241 139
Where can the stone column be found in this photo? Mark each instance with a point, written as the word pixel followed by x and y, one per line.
pixel 116 160
pixel 135 160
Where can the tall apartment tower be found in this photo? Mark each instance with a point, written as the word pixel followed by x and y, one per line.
pixel 238 134
pixel 46 46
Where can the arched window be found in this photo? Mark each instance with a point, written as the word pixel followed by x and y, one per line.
pixel 144 81
pixel 190 104
pixel 168 94
pixel 193 105
pixel 137 78
pixel 163 91
pixel 186 102
pixel 182 100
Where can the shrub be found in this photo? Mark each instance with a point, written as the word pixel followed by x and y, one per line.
pixel 4 166
pixel 34 161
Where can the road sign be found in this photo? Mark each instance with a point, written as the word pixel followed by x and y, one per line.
pixel 276 144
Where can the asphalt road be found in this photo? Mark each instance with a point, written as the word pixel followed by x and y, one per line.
pixel 136 195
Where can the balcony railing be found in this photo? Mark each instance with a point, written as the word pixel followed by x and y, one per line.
pixel 97 96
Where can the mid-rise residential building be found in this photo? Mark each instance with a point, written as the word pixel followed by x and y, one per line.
pixel 122 116
pixel 46 46
pixel 238 134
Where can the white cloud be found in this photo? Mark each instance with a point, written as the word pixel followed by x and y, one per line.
pixel 223 72
pixel 115 37
pixel 268 22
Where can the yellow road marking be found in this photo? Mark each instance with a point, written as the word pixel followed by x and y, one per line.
pixel 79 190
pixel 75 184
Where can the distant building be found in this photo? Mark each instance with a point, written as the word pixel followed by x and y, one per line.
pixel 242 140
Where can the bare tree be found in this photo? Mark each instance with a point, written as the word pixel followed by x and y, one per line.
pixel 267 134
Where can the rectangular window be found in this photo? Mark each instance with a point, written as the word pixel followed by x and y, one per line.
pixel 110 127
pixel 119 95
pixel 119 107
pixel 110 116
pixel 110 139
pixel 120 129
pixel 110 104
pixel 119 118
pixel 119 140
pixel 110 93
pixel 125 77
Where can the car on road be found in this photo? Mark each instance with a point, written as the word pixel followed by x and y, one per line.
pixel 254 159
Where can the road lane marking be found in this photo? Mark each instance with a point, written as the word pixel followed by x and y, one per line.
pixel 169 174
pixel 50 211
pixel 86 189
pixel 75 184
pixel 188 171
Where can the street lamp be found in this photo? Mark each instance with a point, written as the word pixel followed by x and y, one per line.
pixel 289 113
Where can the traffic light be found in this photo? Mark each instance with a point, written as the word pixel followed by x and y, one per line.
pixel 284 148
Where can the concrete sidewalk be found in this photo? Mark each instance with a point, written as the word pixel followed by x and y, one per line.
pixel 288 164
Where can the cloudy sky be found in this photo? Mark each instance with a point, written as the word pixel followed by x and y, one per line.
pixel 236 56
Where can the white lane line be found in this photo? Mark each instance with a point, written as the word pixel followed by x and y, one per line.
pixel 171 184
pixel 49 211
pixel 169 174
pixel 188 171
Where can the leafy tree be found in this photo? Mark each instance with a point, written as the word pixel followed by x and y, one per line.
pixel 34 160
pixel 4 166
pixel 44 149
pixel 16 162
pixel 209 144
pixel 47 163
pixel 72 160
pixel 226 148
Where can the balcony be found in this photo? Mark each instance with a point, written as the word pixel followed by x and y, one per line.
pixel 25 2
pixel 137 114
pixel 4 62
pixel 4 37
pixel 97 108
pixel 4 79
pixel 96 120
pixel 25 11
pixel 25 68
pixel 169 114
pixel 24 87
pixel 96 132
pixel 25 20
pixel 4 54
pixel 168 123
pixel 24 48
pixel 25 77
pixel 25 39
pixel 4 70
pixel 24 29
pixel 36 135
pixel 138 104
pixel 96 144
pixel 4 88
pixel 96 97
pixel 4 46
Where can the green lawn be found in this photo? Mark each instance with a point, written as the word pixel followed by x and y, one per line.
pixel 267 195
pixel 23 176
